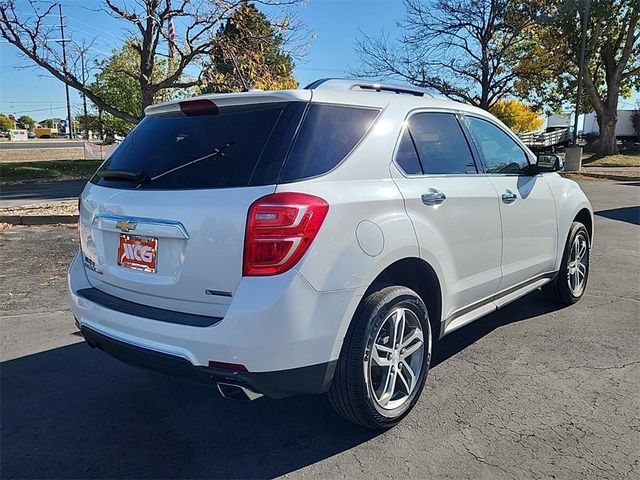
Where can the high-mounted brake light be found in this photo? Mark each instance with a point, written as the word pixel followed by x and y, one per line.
pixel 280 229
pixel 201 106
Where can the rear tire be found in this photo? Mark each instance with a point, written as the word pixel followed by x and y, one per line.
pixel 571 282
pixel 385 359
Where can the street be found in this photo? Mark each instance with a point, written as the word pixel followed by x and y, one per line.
pixel 39 192
pixel 531 391
pixel 38 143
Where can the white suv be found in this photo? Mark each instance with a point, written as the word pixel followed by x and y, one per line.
pixel 318 240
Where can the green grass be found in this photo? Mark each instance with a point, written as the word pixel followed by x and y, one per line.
pixel 51 169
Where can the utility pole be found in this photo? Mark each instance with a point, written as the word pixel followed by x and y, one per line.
pixel 64 69
pixel 583 46
pixel 84 98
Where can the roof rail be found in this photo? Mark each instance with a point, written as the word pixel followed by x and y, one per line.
pixel 366 85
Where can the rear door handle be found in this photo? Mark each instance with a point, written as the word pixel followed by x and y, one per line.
pixel 433 197
pixel 509 197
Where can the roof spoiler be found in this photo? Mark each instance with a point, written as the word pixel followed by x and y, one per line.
pixel 367 85
pixel 221 100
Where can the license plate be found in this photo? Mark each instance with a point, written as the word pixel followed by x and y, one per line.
pixel 138 253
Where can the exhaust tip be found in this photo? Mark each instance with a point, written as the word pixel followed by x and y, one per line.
pixel 236 392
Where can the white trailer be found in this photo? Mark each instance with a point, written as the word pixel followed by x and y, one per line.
pixel 559 120
pixel 624 127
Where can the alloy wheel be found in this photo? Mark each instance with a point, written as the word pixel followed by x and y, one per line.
pixel 395 360
pixel 578 265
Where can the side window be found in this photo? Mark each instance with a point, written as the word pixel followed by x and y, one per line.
pixel 407 157
pixel 500 153
pixel 441 144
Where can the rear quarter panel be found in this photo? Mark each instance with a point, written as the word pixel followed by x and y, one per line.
pixel 366 230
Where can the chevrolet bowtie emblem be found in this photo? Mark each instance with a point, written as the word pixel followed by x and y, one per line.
pixel 126 226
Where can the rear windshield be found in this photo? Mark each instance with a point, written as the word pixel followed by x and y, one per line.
pixel 259 144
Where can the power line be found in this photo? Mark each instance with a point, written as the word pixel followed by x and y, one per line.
pixel 40 110
pixel 95 28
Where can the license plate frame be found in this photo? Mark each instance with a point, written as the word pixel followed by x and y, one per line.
pixel 138 252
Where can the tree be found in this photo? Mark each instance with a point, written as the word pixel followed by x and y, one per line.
pixel 518 116
pixel 612 58
pixel 87 122
pixel 115 86
pixel 248 53
pixel 461 48
pixel 33 33
pixel 26 122
pixel 635 120
pixel 5 123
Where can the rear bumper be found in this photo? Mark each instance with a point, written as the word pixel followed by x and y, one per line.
pixel 313 379
pixel 287 335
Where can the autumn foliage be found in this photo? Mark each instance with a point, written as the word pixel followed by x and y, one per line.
pixel 518 116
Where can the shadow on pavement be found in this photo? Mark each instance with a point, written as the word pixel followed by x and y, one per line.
pixel 528 307
pixel 623 214
pixel 72 412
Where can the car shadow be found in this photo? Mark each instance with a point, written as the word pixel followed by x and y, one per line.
pixel 528 307
pixel 72 412
pixel 623 214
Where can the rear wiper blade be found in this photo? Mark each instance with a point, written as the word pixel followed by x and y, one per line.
pixel 212 155
pixel 138 175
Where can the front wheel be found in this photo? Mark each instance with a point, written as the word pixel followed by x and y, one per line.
pixel 384 360
pixel 571 281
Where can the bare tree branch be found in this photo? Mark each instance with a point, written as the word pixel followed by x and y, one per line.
pixel 195 23
pixel 461 48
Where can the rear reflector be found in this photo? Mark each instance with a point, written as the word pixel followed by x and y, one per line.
pixel 201 106
pixel 236 367
pixel 280 229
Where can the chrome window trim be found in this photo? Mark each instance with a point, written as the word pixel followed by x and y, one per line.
pixel 405 123
pixel 527 152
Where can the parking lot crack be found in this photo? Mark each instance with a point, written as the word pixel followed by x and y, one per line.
pixel 588 367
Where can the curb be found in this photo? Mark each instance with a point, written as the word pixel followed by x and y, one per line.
pixel 603 176
pixel 38 219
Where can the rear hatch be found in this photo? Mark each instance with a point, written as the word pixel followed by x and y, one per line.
pixel 162 222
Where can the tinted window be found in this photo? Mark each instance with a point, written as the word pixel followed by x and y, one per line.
pixel 407 157
pixel 160 143
pixel 441 144
pixel 501 154
pixel 327 135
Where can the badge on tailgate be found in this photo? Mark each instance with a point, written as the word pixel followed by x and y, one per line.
pixel 138 253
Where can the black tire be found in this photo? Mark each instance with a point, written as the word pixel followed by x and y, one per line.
pixel 559 290
pixel 350 393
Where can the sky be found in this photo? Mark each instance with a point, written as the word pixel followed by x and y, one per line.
pixel 334 23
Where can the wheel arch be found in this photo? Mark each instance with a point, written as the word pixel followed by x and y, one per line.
pixel 584 217
pixel 571 205
pixel 416 274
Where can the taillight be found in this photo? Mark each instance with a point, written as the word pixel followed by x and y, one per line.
pixel 280 228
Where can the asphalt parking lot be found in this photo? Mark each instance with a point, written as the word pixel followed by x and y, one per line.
pixel 531 391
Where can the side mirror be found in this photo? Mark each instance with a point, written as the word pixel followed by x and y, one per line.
pixel 549 163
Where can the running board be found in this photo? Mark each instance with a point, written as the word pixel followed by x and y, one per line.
pixel 467 315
